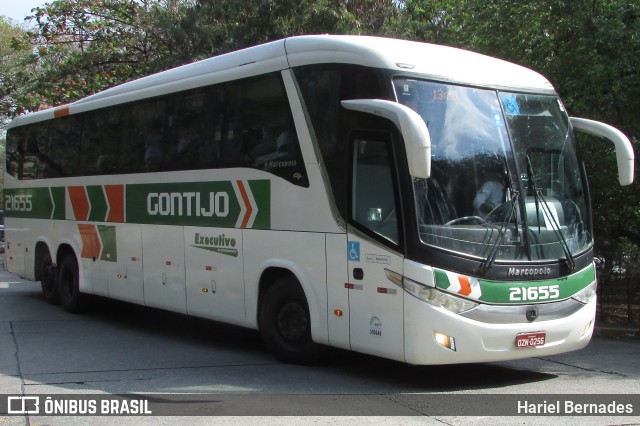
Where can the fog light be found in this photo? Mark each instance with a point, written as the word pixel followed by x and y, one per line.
pixel 446 341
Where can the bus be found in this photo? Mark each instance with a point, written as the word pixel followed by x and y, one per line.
pixel 411 201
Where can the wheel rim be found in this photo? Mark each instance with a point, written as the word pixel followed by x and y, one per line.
pixel 292 322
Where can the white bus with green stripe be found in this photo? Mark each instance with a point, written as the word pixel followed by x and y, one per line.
pixel 412 201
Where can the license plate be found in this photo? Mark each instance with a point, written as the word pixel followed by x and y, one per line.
pixel 530 340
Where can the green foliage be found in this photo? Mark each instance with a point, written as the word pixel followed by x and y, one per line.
pixel 193 30
pixel 589 49
pixel 13 54
pixel 436 21
pixel 79 47
pixel 82 47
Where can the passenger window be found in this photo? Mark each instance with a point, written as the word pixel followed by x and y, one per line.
pixel 186 130
pixel 101 143
pixel 243 123
pixel 15 151
pixel 150 130
pixel 65 144
pixel 264 134
pixel 35 164
pixel 373 192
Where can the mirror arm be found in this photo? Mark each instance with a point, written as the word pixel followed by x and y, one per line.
pixel 413 128
pixel 624 149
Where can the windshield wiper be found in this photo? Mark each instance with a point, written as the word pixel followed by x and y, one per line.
pixel 547 213
pixel 487 263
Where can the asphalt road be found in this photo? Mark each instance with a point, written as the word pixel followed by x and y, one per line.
pixel 215 369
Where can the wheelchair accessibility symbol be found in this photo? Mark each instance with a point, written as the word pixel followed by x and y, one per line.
pixel 354 251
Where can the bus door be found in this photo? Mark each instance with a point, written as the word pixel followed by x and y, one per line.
pixel 126 279
pixel 163 267
pixel 215 283
pixel 373 247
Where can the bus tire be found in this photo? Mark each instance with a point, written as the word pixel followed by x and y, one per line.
pixel 47 275
pixel 69 284
pixel 285 323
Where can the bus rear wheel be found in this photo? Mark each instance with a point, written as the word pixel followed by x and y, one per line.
pixel 285 324
pixel 47 276
pixel 69 284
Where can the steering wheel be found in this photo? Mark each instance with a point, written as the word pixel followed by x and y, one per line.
pixel 495 210
pixel 389 216
pixel 467 219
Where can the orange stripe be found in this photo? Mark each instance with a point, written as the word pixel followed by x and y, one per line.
pixel 91 246
pixel 61 112
pixel 245 198
pixel 465 285
pixel 79 202
pixel 115 198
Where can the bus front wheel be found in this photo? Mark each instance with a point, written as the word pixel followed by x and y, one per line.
pixel 69 285
pixel 285 324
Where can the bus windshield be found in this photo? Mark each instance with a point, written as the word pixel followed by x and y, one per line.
pixel 505 182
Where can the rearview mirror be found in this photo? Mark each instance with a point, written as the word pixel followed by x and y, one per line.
pixel 413 128
pixel 624 149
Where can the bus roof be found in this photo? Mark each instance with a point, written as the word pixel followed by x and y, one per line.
pixel 430 61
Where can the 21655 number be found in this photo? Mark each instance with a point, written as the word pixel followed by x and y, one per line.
pixel 527 294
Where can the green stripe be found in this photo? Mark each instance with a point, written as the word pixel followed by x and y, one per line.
pixel 213 204
pixel 442 280
pixel 527 292
pixel 222 250
pixel 57 194
pixel 98 203
pixel 261 190
pixel 109 246
pixel 32 203
pixel 183 204
pixel 501 292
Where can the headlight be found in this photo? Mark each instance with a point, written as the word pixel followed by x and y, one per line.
pixel 586 294
pixel 438 298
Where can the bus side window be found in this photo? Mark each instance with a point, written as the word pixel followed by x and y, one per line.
pixel 132 147
pixel 35 164
pixel 109 154
pixel 150 128
pixel 185 129
pixel 65 145
pixel 231 143
pixel 209 148
pixel 15 138
pixel 373 197
pixel 261 133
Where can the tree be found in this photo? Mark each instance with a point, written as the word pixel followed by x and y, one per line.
pixel 12 56
pixel 77 47
pixel 86 46
pixel 9 60
pixel 197 29
pixel 80 47
pixel 589 49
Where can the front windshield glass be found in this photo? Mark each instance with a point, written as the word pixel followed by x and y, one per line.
pixel 505 182
pixel 551 178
